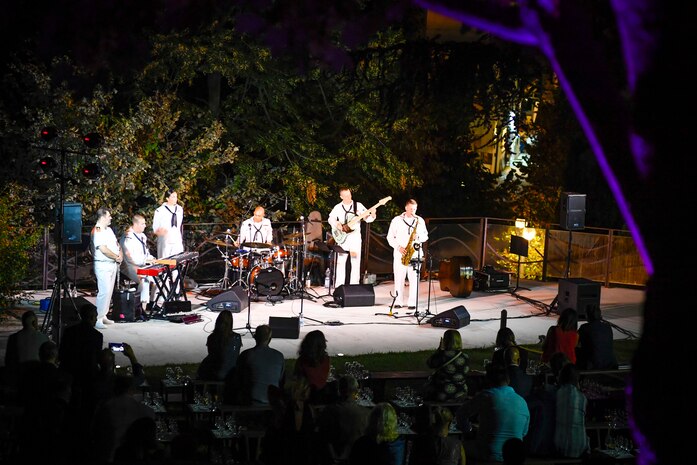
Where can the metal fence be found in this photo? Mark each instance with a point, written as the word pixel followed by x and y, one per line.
pixel 608 256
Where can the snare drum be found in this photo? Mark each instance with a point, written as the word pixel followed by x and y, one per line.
pixel 266 281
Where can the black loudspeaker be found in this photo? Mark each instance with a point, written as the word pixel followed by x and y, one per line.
pixel 284 328
pixel 177 306
pixel 572 211
pixel 355 295
pixel 70 309
pixel 456 318
pixel 72 223
pixel 579 294
pixel 234 300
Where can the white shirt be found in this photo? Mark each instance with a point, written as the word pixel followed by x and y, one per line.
pixel 400 231
pixel 136 253
pixel 343 213
pixel 163 219
pixel 256 232
pixel 103 236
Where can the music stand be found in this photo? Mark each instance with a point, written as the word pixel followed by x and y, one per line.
pixel 335 250
pixel 519 246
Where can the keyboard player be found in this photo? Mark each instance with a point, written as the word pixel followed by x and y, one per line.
pixel 136 254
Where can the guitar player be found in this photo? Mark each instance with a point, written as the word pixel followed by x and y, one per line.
pixel 338 218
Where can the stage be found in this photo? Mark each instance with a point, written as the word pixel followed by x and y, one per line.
pixel 352 330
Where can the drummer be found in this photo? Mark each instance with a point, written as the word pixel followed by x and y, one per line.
pixel 256 233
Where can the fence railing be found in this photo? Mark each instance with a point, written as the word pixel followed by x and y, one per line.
pixel 608 256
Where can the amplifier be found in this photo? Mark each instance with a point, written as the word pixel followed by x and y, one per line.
pixel 490 279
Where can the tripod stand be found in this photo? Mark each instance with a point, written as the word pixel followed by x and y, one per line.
pixel 415 263
pixel 555 302
pixel 52 323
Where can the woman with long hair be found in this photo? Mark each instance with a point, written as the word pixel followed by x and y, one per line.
pixel 451 365
pixel 223 346
pixel 562 337
pixel 313 363
pixel 381 444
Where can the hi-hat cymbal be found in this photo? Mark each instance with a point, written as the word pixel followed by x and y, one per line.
pixel 221 243
pixel 256 245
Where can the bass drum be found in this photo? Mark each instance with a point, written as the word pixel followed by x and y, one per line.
pixel 266 281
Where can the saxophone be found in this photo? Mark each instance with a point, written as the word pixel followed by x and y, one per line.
pixel 406 258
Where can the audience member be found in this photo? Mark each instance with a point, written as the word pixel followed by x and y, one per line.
pixel 502 415
pixel 562 337
pixel 595 349
pixel 79 352
pixel 542 404
pixel 113 418
pixel 44 393
pixel 291 437
pixel 104 382
pixel 342 423
pixel 258 368
pixel 519 380
pixel 139 444
pixel 570 437
pixel 513 452
pixel 451 365
pixel 23 346
pixel 437 446
pixel 381 444
pixel 314 363
pixel 223 350
pixel 506 338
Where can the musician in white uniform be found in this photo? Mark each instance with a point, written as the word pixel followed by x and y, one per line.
pixel 256 229
pixel 167 223
pixel 107 258
pixel 136 255
pixel 398 236
pixel 339 216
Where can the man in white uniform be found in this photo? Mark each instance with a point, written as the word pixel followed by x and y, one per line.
pixel 256 229
pixel 136 254
pixel 168 225
pixel 398 235
pixel 107 258
pixel 339 216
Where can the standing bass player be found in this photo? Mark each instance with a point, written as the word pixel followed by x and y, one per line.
pixel 406 235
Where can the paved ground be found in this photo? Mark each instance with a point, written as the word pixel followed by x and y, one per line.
pixel 354 330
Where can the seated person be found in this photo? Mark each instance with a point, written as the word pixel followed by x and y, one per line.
pixel 451 365
pixel 595 349
pixel 519 380
pixel 437 446
pixel 506 338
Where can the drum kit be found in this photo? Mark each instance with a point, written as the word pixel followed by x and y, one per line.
pixel 264 269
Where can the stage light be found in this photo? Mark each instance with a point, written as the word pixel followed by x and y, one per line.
pixel 92 140
pixel 48 133
pixel 91 171
pixel 520 223
pixel 47 164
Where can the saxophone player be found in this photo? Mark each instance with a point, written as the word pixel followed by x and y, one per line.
pixel 406 234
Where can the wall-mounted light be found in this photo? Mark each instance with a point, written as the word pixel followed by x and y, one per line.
pixel 520 223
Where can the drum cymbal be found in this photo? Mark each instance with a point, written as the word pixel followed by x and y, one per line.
pixel 256 245
pixel 221 243
pixel 293 244
pixel 292 236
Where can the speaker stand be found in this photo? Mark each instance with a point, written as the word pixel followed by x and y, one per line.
pixel 553 307
pixel 517 280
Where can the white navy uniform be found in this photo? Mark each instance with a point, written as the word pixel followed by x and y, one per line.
pixel 353 242
pixel 172 219
pixel 105 268
pixel 398 235
pixel 137 255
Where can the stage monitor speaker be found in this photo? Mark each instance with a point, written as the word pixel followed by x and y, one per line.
pixel 72 223
pixel 572 211
pixel 177 306
pixel 70 310
pixel 354 295
pixel 578 294
pixel 456 317
pixel 284 327
pixel 234 300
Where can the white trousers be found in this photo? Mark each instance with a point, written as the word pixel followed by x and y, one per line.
pixel 400 272
pixel 146 285
pixel 106 278
pixel 353 243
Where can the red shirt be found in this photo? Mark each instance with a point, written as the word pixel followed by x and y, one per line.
pixel 560 341
pixel 316 375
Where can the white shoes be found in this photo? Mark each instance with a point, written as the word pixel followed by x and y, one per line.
pixel 107 321
pixel 99 325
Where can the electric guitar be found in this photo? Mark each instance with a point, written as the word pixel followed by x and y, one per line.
pixel 339 234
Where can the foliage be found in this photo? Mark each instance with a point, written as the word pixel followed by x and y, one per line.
pixel 18 236
pixel 530 266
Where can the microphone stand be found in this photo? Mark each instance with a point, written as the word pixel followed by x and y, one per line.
pixel 301 270
pixel 430 274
